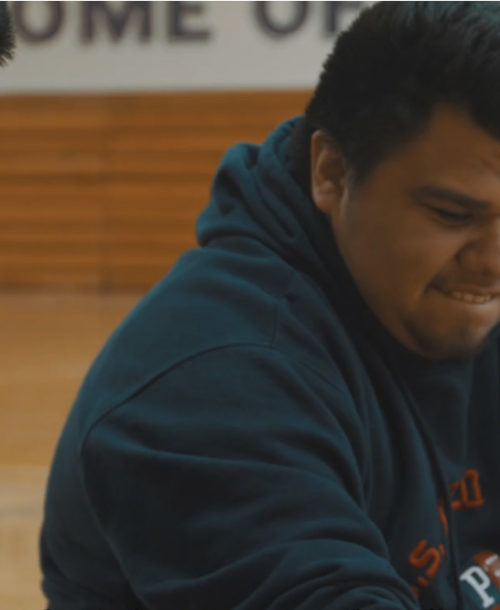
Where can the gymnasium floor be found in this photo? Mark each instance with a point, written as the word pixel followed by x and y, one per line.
pixel 47 344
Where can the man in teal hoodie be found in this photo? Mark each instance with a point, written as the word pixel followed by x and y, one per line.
pixel 304 413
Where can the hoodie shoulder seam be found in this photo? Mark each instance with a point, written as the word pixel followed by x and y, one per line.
pixel 122 400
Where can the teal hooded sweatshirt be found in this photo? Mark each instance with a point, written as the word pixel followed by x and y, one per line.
pixel 251 438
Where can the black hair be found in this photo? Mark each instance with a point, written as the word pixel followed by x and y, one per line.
pixel 7 39
pixel 388 71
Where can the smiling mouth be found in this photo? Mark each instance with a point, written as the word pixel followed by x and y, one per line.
pixel 471 297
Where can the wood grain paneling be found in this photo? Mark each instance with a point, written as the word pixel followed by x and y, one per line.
pixel 101 192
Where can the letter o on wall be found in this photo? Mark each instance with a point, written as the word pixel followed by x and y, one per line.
pixel 41 34
pixel 268 24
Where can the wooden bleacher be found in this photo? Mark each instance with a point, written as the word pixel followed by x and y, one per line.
pixel 101 192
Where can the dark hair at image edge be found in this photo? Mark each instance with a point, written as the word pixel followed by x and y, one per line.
pixel 387 72
pixel 7 38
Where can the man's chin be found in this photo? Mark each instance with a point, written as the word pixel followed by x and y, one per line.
pixel 459 347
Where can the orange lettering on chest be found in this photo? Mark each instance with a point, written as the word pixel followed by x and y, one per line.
pixel 464 494
pixel 467 493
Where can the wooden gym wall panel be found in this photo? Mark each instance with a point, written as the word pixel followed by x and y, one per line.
pixel 101 192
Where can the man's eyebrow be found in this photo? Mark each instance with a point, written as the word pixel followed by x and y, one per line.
pixel 445 194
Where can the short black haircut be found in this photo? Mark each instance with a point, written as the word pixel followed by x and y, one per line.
pixel 388 71
pixel 7 39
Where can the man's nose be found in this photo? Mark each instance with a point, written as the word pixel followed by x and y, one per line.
pixel 481 256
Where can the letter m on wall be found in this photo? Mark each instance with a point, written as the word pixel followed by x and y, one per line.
pixel 115 16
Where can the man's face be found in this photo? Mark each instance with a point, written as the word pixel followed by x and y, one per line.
pixel 421 235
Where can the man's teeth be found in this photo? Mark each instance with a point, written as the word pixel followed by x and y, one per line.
pixel 468 297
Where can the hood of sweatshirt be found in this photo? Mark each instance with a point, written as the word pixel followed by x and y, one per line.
pixel 254 195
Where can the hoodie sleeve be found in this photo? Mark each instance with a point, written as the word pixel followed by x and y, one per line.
pixel 234 482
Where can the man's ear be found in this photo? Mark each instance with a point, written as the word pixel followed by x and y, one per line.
pixel 328 174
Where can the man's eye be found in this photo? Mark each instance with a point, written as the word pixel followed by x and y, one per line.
pixel 457 217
